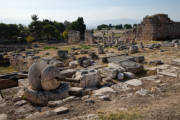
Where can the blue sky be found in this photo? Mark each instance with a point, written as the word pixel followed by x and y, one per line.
pixel 93 11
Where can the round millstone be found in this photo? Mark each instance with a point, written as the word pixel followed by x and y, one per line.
pixel 34 75
pixel 48 78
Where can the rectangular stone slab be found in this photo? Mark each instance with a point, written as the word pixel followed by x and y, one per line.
pixel 8 83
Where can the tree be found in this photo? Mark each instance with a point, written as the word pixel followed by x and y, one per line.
pixel 34 17
pixel 119 26
pixel 65 35
pixel 103 26
pixel 127 26
pixel 49 30
pixel 78 25
pixel 36 27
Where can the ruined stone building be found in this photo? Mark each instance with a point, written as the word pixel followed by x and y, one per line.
pixel 89 37
pixel 74 36
pixel 156 27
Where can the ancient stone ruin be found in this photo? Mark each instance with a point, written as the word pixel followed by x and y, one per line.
pixel 73 36
pixel 89 37
pixel 156 27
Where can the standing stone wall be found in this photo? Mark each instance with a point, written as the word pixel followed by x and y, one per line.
pixel 89 37
pixel 156 27
pixel 73 36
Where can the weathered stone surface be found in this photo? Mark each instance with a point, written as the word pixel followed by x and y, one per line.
pixel 134 82
pixel 22 112
pixel 20 103
pixel 3 116
pixel 100 49
pixel 61 110
pixel 116 66
pixel 76 91
pixel 131 66
pixel 42 97
pixel 129 75
pixel 73 64
pixel 62 54
pixel 110 72
pixel 105 98
pixel 93 56
pixel 120 76
pixel 34 75
pixel 133 49
pixel 48 78
pixel 55 103
pixel 68 73
pixel 156 62
pixel 176 62
pixel 88 78
pixel 120 87
pixel 153 28
pixel 103 90
pixel 142 92
pixel 73 36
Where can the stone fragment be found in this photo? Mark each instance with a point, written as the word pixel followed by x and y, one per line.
pixel 129 75
pixel 20 103
pixel 100 49
pixel 176 62
pixel 118 67
pixel 55 103
pixel 103 90
pixel 156 62
pixel 134 82
pixel 105 98
pixel 133 49
pixel 120 76
pixel 142 92
pixel 73 64
pixel 61 110
pixel 3 116
pixel 76 91
pixel 62 54
pixel 131 66
pixel 88 78
pixel 110 72
pixel 120 87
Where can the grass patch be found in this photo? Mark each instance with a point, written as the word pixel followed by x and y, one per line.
pixel 124 115
pixel 49 47
pixel 7 69
pixel 85 46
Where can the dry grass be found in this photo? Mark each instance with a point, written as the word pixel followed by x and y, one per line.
pixel 6 69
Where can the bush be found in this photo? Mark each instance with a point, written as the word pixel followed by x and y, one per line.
pixel 29 39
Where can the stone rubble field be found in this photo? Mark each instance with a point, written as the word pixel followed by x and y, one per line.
pixel 93 82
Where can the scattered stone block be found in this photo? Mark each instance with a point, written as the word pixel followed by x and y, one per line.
pixel 42 97
pixel 62 54
pixel 88 78
pixel 103 90
pixel 61 110
pixel 73 64
pixel 176 62
pixel 3 116
pixel 134 82
pixel 76 91
pixel 20 103
pixel 55 103
pixel 129 75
